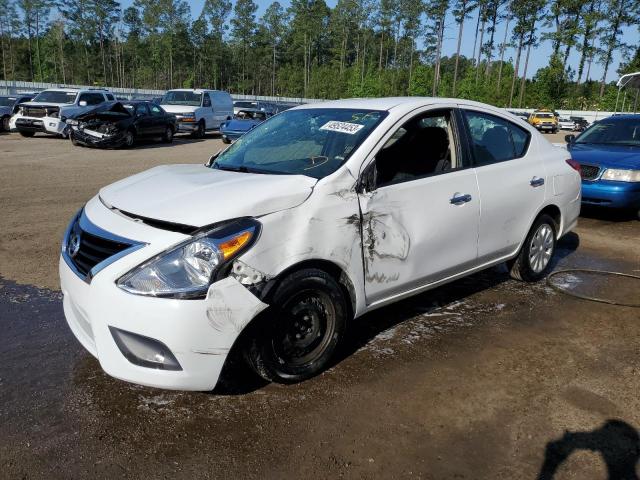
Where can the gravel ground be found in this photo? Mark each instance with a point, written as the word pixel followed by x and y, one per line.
pixel 483 378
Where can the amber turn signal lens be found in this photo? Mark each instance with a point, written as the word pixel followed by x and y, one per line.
pixel 230 247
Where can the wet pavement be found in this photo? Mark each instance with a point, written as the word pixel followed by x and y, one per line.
pixel 471 380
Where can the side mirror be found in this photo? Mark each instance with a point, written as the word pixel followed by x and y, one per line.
pixel 82 103
pixel 570 138
pixel 212 158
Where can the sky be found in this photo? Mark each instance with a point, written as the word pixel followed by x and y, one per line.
pixel 539 56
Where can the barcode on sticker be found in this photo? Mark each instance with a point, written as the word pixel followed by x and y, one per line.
pixel 343 127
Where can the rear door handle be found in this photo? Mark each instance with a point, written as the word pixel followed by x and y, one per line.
pixel 459 198
pixel 536 182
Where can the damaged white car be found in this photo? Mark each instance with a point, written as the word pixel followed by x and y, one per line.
pixel 318 215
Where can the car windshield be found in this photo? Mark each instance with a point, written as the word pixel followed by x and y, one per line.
pixel 7 101
pixel 251 115
pixel 241 104
pixel 179 97
pixel 314 142
pixel 56 96
pixel 613 132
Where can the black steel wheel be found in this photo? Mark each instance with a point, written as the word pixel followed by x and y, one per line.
pixel 303 329
pixel 199 131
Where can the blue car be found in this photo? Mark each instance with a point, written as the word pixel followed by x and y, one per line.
pixel 609 155
pixel 242 122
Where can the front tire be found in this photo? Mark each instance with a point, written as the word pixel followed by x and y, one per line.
pixel 27 134
pixel 5 123
pixel 168 135
pixel 199 132
pixel 74 142
pixel 129 139
pixel 534 259
pixel 307 320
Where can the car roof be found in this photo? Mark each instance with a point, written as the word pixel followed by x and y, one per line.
pixel 396 103
pixel 194 90
pixel 623 116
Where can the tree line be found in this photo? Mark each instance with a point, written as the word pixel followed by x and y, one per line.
pixel 357 48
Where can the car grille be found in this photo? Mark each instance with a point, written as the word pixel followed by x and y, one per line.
pixel 87 247
pixel 40 112
pixel 94 250
pixel 589 172
pixel 34 112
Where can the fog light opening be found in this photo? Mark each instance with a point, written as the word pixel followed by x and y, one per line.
pixel 144 351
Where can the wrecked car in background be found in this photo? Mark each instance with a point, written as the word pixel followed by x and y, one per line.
pixel 119 124
pixel 244 120
pixel 47 112
pixel 316 216
pixel 9 105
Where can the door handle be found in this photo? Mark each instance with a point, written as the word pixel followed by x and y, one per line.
pixel 460 199
pixel 536 182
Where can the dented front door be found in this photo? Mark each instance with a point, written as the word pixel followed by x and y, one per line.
pixel 418 232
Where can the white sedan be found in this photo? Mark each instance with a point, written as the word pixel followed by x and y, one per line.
pixel 566 124
pixel 317 216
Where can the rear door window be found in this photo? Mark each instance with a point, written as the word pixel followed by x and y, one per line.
pixel 494 139
pixel 206 102
pixel 155 110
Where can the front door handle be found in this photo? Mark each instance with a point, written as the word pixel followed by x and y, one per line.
pixel 536 182
pixel 460 198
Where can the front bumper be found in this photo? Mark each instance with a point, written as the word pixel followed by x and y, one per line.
pixel 112 141
pixel 198 333
pixel 606 193
pixel 50 125
pixel 231 135
pixel 186 126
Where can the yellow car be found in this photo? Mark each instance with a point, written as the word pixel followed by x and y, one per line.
pixel 544 121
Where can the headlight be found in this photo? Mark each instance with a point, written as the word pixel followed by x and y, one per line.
pixel 71 121
pixel 187 270
pixel 621 175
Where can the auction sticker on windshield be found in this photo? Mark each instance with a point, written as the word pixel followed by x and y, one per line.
pixel 343 127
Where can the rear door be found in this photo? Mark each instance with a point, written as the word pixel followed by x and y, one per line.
pixel 420 206
pixel 511 178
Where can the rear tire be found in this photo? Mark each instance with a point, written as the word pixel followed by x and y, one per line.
pixel 168 135
pixel 534 260
pixel 27 134
pixel 5 123
pixel 306 321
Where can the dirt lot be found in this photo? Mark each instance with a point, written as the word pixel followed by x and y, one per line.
pixel 484 378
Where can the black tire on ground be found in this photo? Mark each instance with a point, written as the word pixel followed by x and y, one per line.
pixel 129 139
pixel 73 140
pixel 534 260
pixel 199 131
pixel 302 329
pixel 226 140
pixel 27 133
pixel 167 137
pixel 4 126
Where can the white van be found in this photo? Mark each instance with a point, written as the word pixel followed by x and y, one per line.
pixel 198 110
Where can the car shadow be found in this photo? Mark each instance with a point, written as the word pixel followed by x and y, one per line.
pixel 617 442
pixel 608 214
pixel 237 378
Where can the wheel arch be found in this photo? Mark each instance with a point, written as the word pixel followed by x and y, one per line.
pixel 327 266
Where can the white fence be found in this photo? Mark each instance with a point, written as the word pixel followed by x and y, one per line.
pixel 8 87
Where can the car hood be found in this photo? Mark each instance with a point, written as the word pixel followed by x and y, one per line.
pixel 179 108
pixel 197 195
pixel 104 108
pixel 612 156
pixel 5 110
